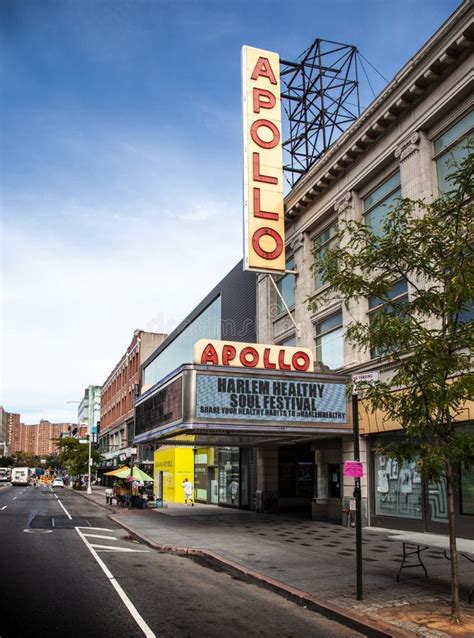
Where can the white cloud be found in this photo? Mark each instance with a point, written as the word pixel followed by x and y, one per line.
pixel 77 284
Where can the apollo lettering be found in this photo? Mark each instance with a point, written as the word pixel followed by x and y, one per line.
pixel 250 357
pixel 265 244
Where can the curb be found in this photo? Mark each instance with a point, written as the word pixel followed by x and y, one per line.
pixel 370 628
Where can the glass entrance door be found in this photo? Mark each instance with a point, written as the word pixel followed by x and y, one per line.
pixel 213 483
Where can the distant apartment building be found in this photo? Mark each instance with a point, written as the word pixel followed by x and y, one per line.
pixel 13 433
pixel 117 399
pixel 4 447
pixel 38 438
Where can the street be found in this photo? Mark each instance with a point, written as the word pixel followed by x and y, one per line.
pixel 67 570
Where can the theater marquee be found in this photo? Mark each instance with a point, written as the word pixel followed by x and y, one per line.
pixel 214 405
pixel 276 399
pixel 264 225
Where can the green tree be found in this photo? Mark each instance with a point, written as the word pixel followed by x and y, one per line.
pixel 74 456
pixel 428 337
pixel 24 459
pixel 6 461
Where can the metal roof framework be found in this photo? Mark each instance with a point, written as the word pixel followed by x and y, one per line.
pixel 320 96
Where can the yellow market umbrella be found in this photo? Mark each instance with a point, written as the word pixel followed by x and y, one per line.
pixel 125 472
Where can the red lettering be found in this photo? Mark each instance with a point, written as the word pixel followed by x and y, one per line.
pixel 263 69
pixel 266 360
pixel 269 125
pixel 257 176
pixel 257 211
pixel 281 361
pixel 228 353
pixel 296 361
pixel 209 355
pixel 248 350
pixel 265 254
pixel 258 103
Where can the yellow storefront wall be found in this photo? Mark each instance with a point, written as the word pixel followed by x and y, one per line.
pixel 176 463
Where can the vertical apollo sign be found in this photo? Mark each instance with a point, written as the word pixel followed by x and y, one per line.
pixel 264 224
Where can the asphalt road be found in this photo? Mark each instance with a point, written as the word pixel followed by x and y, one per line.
pixel 66 570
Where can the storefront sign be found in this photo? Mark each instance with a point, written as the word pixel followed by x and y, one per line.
pixel 264 225
pixel 267 399
pixel 353 469
pixel 253 355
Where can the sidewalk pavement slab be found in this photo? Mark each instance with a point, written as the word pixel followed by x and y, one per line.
pixel 308 561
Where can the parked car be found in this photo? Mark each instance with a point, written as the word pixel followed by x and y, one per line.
pixel 58 482
pixel 4 475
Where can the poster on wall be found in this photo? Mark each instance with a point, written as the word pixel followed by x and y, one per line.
pixel 267 399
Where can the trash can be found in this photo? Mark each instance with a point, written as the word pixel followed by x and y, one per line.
pixel 159 502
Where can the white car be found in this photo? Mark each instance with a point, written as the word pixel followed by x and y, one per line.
pixel 58 482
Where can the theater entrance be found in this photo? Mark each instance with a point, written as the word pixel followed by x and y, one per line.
pixel 296 479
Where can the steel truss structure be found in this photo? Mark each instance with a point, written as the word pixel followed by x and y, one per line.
pixel 320 96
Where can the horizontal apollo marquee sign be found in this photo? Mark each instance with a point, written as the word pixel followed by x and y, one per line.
pixel 264 224
pixel 254 355
pixel 242 398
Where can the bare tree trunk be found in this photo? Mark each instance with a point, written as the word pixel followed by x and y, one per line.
pixel 455 607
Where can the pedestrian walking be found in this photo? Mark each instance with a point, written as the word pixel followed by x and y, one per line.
pixel 234 490
pixel 188 492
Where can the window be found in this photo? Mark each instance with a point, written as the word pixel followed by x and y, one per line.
pixel 330 341
pixel 398 293
pixel 377 203
pixel 398 490
pixel 467 491
pixel 450 147
pixel 289 341
pixel 286 286
pixel 323 243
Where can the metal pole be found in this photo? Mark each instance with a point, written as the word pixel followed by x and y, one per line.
pixel 89 463
pixel 132 459
pixel 357 496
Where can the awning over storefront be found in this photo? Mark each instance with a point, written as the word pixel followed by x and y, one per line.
pixel 217 406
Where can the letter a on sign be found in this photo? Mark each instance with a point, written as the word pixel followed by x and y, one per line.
pixel 264 223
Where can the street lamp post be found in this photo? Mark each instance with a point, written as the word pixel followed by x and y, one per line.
pixel 89 463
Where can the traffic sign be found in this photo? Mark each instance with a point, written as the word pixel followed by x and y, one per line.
pixel 367 377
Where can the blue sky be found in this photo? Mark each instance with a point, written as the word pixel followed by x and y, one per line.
pixel 121 164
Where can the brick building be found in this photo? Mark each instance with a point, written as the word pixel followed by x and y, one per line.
pixel 36 439
pixel 117 398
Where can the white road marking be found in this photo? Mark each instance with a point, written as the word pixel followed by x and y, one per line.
pixel 67 513
pixel 14 498
pixel 98 529
pixel 112 538
pixel 38 531
pixel 118 549
pixel 4 507
pixel 126 601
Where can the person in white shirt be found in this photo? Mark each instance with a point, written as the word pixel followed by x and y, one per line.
pixel 188 492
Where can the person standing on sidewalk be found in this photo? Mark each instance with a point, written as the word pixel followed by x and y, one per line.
pixel 188 492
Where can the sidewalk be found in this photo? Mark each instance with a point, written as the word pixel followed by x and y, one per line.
pixel 312 562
